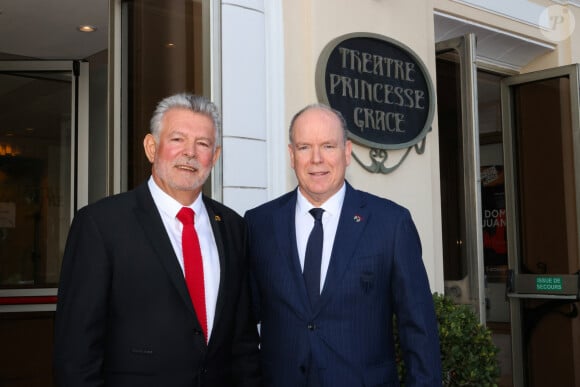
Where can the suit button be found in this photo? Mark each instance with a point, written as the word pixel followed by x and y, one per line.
pixel 303 369
pixel 311 326
pixel 197 332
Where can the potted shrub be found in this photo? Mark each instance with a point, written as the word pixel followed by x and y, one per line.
pixel 468 355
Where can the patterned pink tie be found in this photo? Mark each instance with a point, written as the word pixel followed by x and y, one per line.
pixel 193 265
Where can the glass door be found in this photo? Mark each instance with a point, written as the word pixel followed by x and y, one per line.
pixel 540 113
pixel 459 166
pixel 43 179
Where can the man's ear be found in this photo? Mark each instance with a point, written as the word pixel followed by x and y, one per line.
pixel 348 151
pixel 216 155
pixel 291 153
pixel 150 147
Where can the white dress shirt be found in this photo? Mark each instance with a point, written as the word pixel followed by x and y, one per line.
pixel 168 208
pixel 305 222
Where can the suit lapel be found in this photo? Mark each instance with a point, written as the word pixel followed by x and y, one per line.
pixel 353 218
pixel 218 227
pixel 285 234
pixel 150 219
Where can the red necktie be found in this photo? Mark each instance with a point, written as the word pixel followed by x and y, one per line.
pixel 193 265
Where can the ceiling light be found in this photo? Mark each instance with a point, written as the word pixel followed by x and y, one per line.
pixel 87 28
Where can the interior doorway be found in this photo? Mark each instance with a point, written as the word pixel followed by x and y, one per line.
pixel 542 152
pixel 40 136
pixel 472 190
pixel 527 154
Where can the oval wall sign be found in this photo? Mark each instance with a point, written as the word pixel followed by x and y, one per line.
pixel 380 86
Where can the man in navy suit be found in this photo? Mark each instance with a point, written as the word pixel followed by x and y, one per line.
pixel 124 315
pixel 369 270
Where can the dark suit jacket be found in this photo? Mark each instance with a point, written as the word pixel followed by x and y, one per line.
pixel 375 271
pixel 124 316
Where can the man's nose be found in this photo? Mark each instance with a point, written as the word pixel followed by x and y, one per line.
pixel 316 155
pixel 189 150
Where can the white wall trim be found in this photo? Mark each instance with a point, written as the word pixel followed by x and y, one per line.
pixel 253 5
pixel 493 29
pixel 575 3
pixel 495 47
pixel 252 76
pixel 275 102
pixel 522 11
pixel 215 86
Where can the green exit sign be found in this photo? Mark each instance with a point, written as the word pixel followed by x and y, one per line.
pixel 549 284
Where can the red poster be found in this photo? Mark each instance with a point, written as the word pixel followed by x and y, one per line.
pixel 494 221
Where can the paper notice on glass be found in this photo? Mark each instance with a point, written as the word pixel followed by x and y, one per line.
pixel 7 214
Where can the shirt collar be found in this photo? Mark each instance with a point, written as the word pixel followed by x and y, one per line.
pixel 331 206
pixel 168 205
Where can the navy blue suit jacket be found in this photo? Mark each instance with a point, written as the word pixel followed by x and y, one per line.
pixel 376 270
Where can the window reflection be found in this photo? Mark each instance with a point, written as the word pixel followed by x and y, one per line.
pixel 166 52
pixel 34 176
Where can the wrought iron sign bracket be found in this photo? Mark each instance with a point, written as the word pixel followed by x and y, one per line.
pixel 379 157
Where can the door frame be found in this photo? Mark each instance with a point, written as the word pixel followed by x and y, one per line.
pixel 44 299
pixel 472 245
pixel 523 290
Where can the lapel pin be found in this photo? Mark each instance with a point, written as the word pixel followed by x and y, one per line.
pixel 217 218
pixel 357 218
